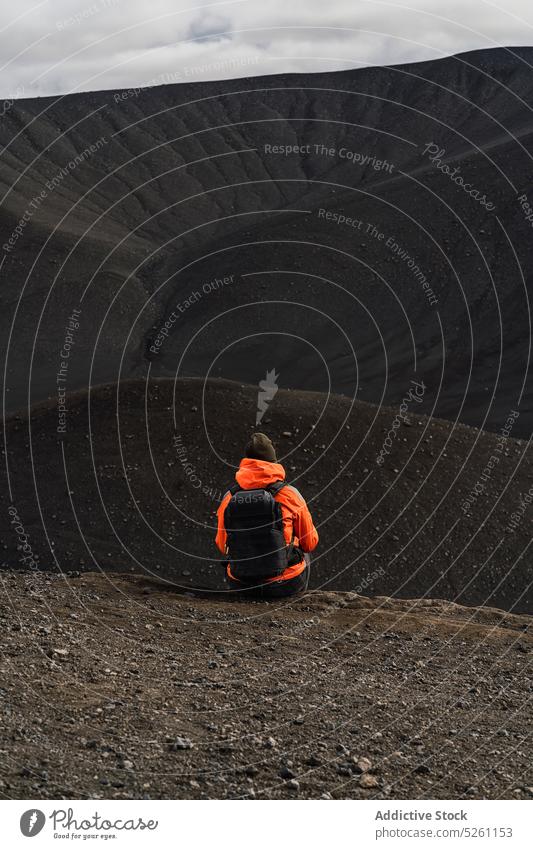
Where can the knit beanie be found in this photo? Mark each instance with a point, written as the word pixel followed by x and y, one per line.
pixel 260 448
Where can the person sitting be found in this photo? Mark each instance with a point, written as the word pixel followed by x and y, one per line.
pixel 264 527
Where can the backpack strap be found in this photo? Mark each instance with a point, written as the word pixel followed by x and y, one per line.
pixel 275 487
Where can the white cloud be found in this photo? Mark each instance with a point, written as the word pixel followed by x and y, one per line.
pixel 59 46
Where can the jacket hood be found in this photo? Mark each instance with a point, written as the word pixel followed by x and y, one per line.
pixel 256 474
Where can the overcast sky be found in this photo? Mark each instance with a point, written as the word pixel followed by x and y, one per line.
pixel 60 46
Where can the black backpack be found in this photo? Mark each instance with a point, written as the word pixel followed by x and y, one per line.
pixel 254 528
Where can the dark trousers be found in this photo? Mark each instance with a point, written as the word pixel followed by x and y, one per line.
pixel 275 589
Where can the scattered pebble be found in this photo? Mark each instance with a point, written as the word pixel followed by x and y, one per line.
pixel 368 781
pixel 286 773
pixel 180 743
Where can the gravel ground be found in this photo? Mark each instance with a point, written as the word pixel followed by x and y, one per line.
pixel 117 686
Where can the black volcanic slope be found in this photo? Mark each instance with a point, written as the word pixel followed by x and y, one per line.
pixel 135 482
pixel 189 207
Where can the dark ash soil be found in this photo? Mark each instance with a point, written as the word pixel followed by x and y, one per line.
pixel 114 493
pixel 116 686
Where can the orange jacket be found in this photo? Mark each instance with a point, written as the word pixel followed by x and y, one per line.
pixel 257 474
